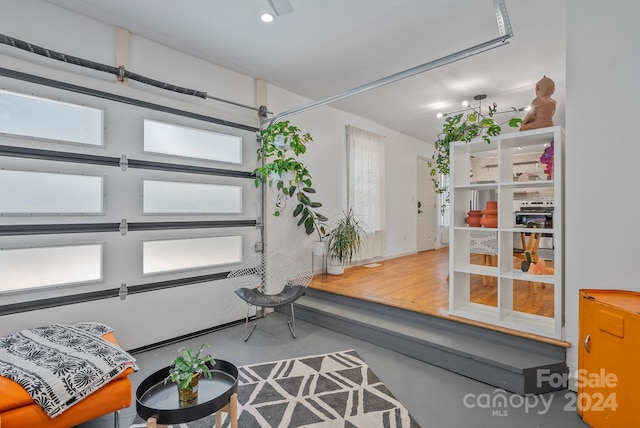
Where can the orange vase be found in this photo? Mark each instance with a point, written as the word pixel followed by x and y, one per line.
pixel 473 219
pixel 490 215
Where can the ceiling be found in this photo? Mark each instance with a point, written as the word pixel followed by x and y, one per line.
pixel 326 47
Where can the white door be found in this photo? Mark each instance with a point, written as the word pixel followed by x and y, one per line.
pixel 426 208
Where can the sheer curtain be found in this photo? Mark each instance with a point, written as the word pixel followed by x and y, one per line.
pixel 365 187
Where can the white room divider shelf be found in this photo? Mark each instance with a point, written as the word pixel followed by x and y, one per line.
pixel 471 272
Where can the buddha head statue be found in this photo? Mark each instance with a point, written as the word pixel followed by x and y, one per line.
pixel 545 87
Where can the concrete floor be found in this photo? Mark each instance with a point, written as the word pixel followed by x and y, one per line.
pixel 434 397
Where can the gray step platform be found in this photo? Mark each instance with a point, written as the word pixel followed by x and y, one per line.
pixel 512 363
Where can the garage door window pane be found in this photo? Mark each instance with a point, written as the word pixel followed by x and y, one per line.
pixel 191 142
pixel 167 197
pixel 30 116
pixel 27 192
pixel 193 253
pixel 28 268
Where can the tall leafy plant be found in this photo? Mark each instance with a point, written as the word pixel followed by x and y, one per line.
pixel 346 237
pixel 282 145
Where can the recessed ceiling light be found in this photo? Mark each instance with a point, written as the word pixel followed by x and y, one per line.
pixel 267 17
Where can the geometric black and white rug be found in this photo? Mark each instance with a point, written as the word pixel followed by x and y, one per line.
pixel 330 390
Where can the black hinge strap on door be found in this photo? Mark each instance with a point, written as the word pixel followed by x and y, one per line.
pixel 56 156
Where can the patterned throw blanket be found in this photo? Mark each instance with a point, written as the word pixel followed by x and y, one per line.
pixel 59 365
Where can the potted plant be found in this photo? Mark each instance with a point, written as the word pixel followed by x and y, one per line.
pixel 345 240
pixel 462 128
pixel 187 368
pixel 282 144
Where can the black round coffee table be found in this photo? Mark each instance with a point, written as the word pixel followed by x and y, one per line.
pixel 157 402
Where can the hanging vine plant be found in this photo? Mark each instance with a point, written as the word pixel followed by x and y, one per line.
pixel 282 145
pixel 462 128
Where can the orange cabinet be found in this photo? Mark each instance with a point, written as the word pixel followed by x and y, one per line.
pixel 608 376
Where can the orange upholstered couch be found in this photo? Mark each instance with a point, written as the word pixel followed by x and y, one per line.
pixel 18 410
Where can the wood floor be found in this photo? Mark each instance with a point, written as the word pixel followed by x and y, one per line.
pixel 418 283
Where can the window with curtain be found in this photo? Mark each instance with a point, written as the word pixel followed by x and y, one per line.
pixel 365 184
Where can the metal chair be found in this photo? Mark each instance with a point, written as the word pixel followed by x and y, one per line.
pixel 270 280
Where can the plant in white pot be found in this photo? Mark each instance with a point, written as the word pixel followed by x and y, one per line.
pixel 346 238
pixel 282 144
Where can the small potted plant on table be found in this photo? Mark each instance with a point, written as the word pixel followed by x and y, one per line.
pixel 186 370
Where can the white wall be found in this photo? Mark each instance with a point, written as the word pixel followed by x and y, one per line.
pixel 326 159
pixel 602 152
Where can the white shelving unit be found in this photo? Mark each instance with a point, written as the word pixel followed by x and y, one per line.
pixel 466 271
